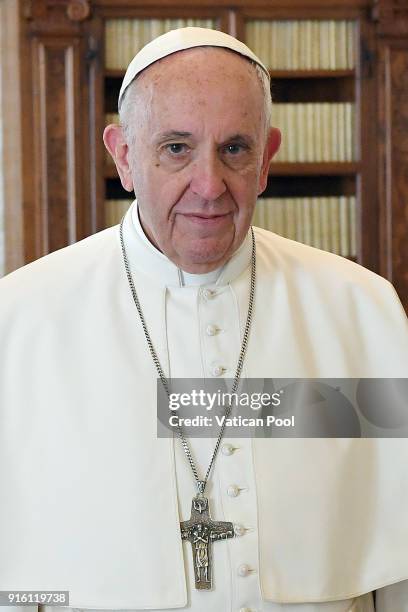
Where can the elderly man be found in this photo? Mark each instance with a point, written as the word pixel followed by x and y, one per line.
pixel 92 499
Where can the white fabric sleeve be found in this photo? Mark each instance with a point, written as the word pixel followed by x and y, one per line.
pixel 392 598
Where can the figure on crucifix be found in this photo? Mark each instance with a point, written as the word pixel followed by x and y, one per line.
pixel 201 538
pixel 200 531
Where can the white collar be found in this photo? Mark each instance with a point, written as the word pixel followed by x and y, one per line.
pixel 144 257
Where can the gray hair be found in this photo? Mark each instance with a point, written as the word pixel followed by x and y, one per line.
pixel 266 88
pixel 128 100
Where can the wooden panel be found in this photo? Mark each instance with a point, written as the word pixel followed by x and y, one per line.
pixel 302 10
pixel 163 10
pixel 271 4
pixel 392 16
pixel 13 182
pixel 394 164
pixel 94 31
pixel 314 168
pixel 58 156
pixel 367 143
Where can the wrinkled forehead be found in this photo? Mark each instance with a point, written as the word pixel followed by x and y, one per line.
pixel 200 64
pixel 202 85
pixel 199 57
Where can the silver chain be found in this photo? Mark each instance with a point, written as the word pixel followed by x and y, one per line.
pixel 200 483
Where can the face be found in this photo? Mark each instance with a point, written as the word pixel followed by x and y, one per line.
pixel 196 154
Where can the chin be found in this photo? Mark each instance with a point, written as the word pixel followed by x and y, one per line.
pixel 200 262
pixel 213 252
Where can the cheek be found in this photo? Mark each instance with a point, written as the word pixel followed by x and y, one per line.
pixel 164 195
pixel 156 189
pixel 245 192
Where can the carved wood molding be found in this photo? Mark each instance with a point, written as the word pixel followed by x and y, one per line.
pixel 58 156
pixel 75 10
pixel 392 17
pixel 78 10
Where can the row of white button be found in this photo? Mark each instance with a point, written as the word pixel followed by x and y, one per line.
pixel 239 530
pixel 233 490
pixel 212 330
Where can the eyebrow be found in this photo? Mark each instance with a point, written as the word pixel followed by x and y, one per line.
pixel 241 139
pixel 172 134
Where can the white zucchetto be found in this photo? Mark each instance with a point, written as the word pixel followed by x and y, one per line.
pixel 178 40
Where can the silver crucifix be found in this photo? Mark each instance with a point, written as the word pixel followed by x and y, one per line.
pixel 201 531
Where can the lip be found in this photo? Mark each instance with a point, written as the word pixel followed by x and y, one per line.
pixel 206 219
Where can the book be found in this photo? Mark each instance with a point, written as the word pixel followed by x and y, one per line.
pixel 324 222
pixel 114 211
pixel 306 44
pixel 125 37
pixel 315 132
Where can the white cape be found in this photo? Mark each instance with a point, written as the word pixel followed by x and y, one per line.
pixel 88 491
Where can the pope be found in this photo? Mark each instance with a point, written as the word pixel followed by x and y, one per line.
pixel 93 502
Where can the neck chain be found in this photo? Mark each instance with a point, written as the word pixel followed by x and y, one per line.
pixel 200 530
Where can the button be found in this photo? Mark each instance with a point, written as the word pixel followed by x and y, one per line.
pixel 211 330
pixel 227 449
pixel 233 490
pixel 207 293
pixel 243 570
pixel 217 371
pixel 239 530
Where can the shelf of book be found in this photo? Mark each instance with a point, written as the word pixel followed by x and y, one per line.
pixel 314 169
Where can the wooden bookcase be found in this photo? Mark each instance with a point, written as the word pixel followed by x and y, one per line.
pixel 64 91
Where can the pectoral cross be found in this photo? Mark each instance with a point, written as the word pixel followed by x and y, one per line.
pixel 201 531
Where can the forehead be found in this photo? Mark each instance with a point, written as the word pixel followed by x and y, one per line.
pixel 200 81
pixel 216 61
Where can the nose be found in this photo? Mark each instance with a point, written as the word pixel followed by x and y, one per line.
pixel 208 177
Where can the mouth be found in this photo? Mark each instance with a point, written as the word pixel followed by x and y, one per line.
pixel 205 219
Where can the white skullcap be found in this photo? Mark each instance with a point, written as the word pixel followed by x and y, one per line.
pixel 178 40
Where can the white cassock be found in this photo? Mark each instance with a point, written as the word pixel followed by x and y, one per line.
pixel 91 499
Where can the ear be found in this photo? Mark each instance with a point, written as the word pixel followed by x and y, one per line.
pixel 271 148
pixel 115 142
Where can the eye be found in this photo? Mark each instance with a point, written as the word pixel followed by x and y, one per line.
pixel 176 148
pixel 234 148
